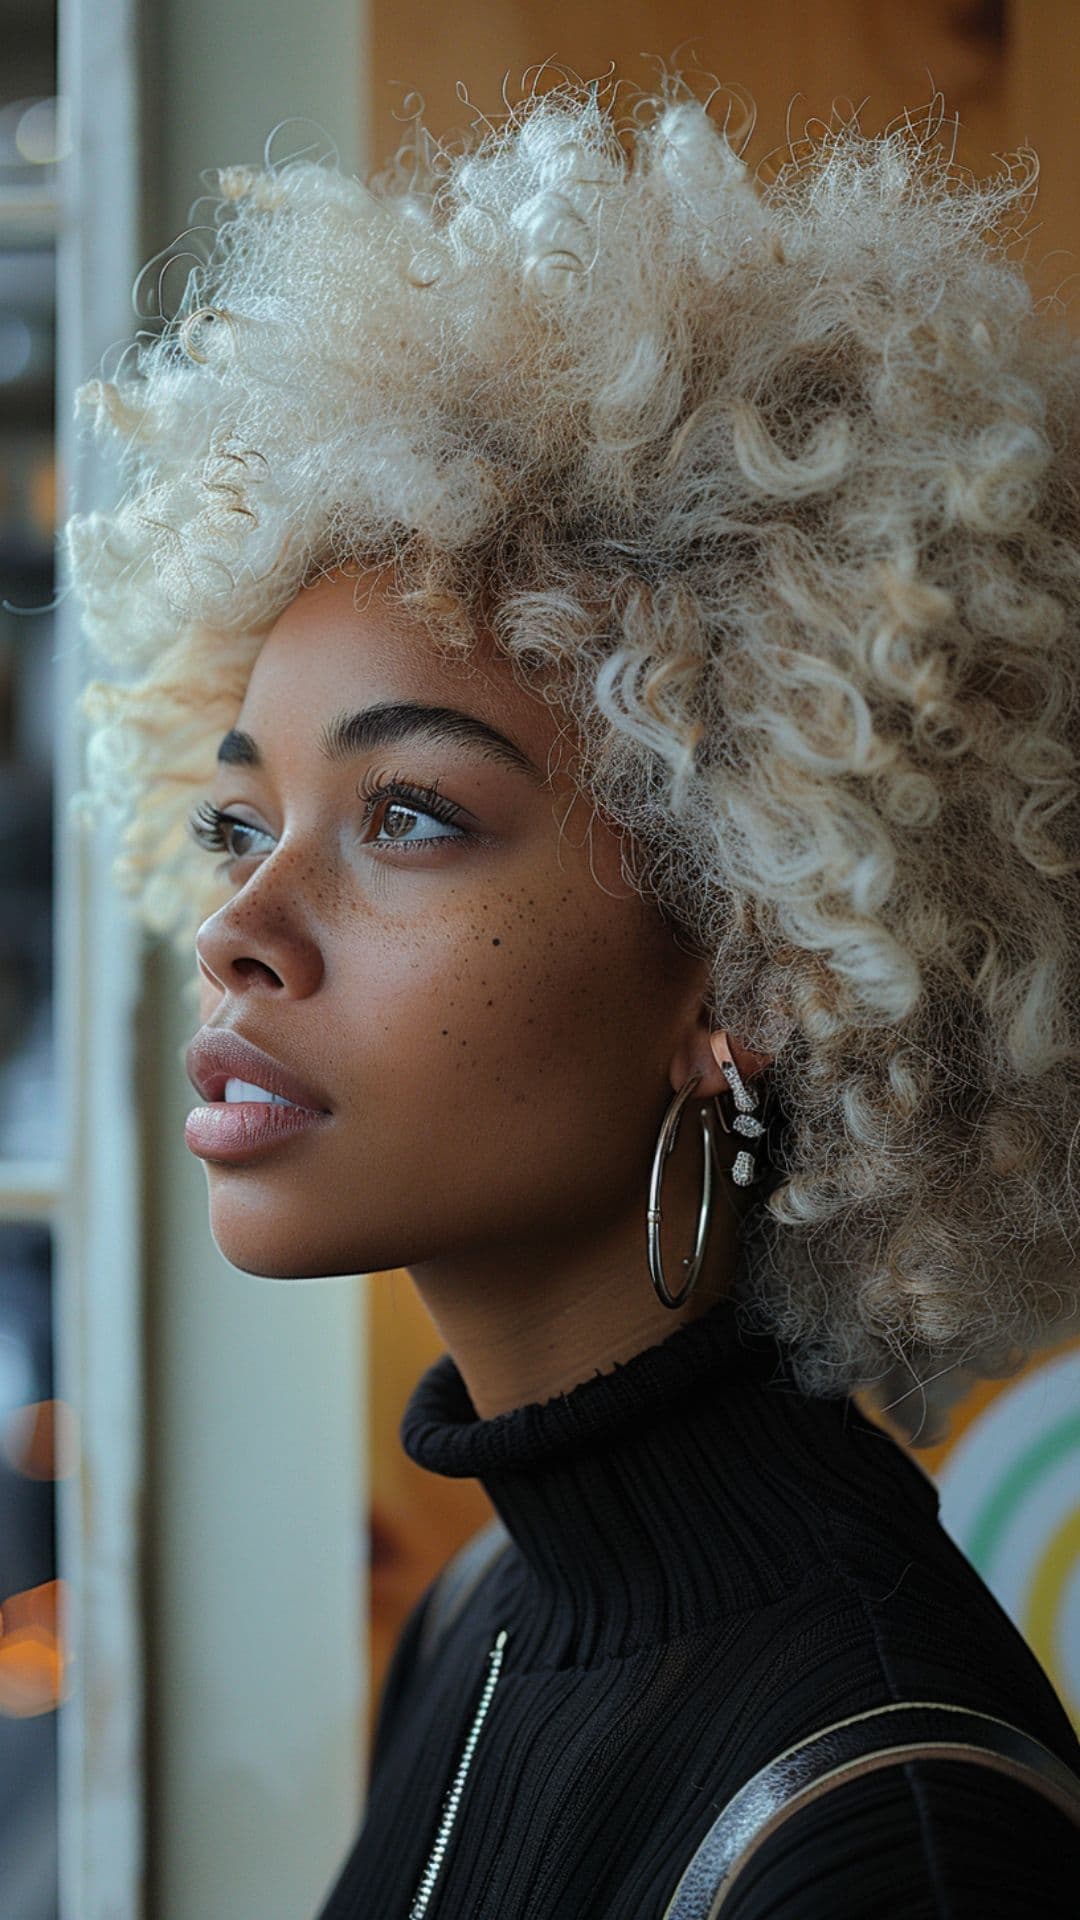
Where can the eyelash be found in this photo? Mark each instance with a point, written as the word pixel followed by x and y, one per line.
pixel 210 825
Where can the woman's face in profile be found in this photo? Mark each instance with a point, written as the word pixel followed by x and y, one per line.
pixel 489 1010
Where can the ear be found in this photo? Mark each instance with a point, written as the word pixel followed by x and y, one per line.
pixel 701 1051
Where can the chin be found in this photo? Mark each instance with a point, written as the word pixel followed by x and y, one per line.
pixel 252 1242
pixel 265 1263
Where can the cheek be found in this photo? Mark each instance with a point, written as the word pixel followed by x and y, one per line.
pixel 548 995
pixel 527 982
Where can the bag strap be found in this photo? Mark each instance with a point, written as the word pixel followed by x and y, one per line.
pixel 455 1583
pixel 845 1751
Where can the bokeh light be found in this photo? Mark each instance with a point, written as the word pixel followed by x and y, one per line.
pixel 43 134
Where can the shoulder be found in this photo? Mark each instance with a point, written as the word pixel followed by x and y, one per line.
pixel 891 1607
pixel 893 1611
pixel 922 1840
pixel 917 1614
pixel 912 1810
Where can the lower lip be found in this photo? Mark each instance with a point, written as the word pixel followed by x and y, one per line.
pixel 236 1129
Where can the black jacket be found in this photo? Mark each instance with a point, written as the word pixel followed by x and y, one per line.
pixel 705 1567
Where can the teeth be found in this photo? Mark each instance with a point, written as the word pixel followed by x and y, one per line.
pixel 246 1090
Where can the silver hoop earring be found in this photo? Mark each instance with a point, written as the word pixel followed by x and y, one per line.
pixel 744 1170
pixel 669 1133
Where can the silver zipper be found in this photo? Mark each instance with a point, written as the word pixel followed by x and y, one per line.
pixel 449 1814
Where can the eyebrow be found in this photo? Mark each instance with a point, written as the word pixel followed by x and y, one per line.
pixel 348 735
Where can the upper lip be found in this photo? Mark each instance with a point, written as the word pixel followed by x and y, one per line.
pixel 218 1054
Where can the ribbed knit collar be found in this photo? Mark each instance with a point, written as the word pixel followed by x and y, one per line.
pixel 649 1498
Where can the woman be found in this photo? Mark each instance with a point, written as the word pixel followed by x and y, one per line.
pixel 619 618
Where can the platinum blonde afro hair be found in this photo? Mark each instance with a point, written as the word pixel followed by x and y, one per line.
pixel 772 484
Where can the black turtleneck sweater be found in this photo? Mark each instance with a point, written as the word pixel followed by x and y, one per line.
pixel 704 1567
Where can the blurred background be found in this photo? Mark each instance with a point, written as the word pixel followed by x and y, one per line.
pixel 209 1534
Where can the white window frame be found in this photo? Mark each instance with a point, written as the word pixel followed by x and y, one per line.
pixel 93 1194
pixel 88 1196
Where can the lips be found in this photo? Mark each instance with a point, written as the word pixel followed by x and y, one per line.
pixel 217 1054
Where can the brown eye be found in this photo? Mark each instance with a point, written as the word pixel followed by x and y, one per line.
pixel 214 830
pixel 397 808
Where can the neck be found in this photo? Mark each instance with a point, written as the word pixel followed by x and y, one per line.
pixel 653 1498
pixel 527 1322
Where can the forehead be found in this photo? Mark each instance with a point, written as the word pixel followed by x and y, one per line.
pixel 346 642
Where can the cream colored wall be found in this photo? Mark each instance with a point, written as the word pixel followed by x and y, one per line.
pixel 256 1593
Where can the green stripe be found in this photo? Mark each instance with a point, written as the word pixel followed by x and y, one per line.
pixel 996 1511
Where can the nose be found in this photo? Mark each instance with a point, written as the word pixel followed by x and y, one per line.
pixel 255 944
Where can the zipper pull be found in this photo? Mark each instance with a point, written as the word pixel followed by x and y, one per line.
pixel 453 1797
